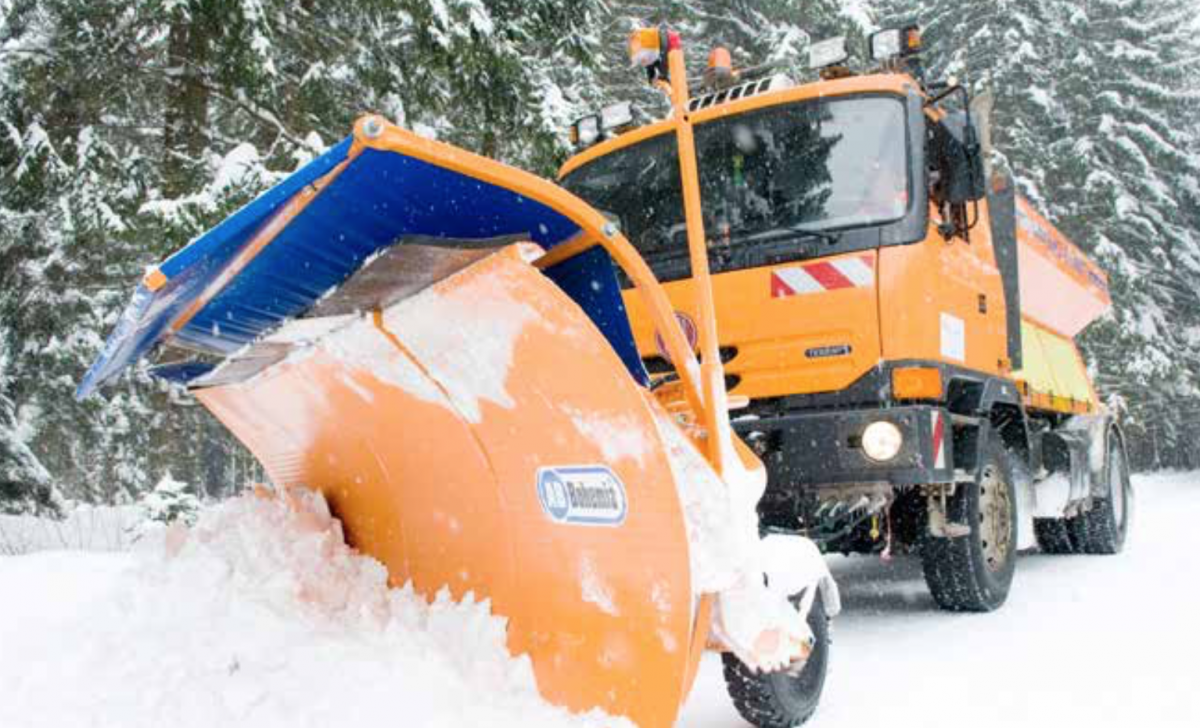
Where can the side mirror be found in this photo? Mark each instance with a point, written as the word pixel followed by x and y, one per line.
pixel 957 157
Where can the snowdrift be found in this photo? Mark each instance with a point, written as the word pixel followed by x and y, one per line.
pixel 258 616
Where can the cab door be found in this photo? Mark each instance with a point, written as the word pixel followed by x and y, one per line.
pixel 943 300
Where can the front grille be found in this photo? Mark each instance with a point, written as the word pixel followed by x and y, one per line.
pixel 659 365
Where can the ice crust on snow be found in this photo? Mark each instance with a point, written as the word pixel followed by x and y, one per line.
pixel 466 338
pixel 260 616
pixel 365 351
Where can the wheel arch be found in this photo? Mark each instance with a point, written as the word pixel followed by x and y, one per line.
pixel 1009 424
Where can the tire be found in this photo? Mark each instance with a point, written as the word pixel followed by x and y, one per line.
pixel 1103 528
pixel 974 573
pixel 1053 536
pixel 780 699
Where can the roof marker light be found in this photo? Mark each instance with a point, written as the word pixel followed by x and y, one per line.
pixel 912 40
pixel 720 68
pixel 645 47
pixel 894 43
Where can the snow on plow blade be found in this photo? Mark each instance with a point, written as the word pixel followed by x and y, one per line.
pixel 375 328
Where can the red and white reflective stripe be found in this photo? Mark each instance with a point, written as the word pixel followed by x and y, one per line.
pixel 939 440
pixel 831 275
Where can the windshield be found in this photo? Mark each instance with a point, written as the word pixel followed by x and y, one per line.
pixel 789 171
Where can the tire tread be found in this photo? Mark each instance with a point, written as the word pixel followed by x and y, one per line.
pixel 952 571
pixel 752 693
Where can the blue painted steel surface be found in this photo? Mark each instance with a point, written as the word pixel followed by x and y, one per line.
pixel 145 320
pixel 590 279
pixel 379 198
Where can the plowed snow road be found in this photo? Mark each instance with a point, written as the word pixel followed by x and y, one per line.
pixel 1083 641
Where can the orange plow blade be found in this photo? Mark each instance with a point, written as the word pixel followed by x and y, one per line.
pixel 473 429
pixel 439 345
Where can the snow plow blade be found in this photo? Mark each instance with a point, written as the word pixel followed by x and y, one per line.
pixel 437 343
pixel 483 436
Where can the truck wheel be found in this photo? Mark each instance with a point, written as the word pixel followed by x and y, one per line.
pixel 781 699
pixel 973 573
pixel 1053 536
pixel 1102 529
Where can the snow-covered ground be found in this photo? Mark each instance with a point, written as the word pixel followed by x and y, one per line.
pixel 260 617
pixel 1102 642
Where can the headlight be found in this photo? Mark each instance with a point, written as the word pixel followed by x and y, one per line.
pixel 827 53
pixel 587 130
pixel 886 44
pixel 616 116
pixel 881 441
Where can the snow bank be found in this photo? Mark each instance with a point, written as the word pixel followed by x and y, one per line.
pixel 258 616
pixel 85 528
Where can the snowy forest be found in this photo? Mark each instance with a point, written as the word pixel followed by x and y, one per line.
pixel 129 127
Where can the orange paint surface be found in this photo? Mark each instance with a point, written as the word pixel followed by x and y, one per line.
pixel 441 485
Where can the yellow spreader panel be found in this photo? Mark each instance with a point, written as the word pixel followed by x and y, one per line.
pixel 1053 376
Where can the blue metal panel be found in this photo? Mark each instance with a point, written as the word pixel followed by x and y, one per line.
pixel 182 372
pixel 380 198
pixel 590 279
pixel 145 320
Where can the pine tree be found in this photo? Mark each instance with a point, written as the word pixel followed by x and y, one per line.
pixel 1135 126
pixel 168 502
pixel 25 485
pixel 129 127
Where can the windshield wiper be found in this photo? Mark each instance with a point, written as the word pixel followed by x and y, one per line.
pixel 804 232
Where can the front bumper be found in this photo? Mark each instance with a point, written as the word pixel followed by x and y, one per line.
pixel 811 450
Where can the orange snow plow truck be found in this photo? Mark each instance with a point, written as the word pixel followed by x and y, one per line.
pixel 441 346
pixel 897 321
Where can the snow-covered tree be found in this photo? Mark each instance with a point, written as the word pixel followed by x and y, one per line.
pixel 170 501
pixel 128 127
pixel 25 485
pixel 1134 105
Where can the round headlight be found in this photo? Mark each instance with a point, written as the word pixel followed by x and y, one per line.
pixel 881 441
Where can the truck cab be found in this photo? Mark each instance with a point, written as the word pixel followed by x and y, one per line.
pixel 866 277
